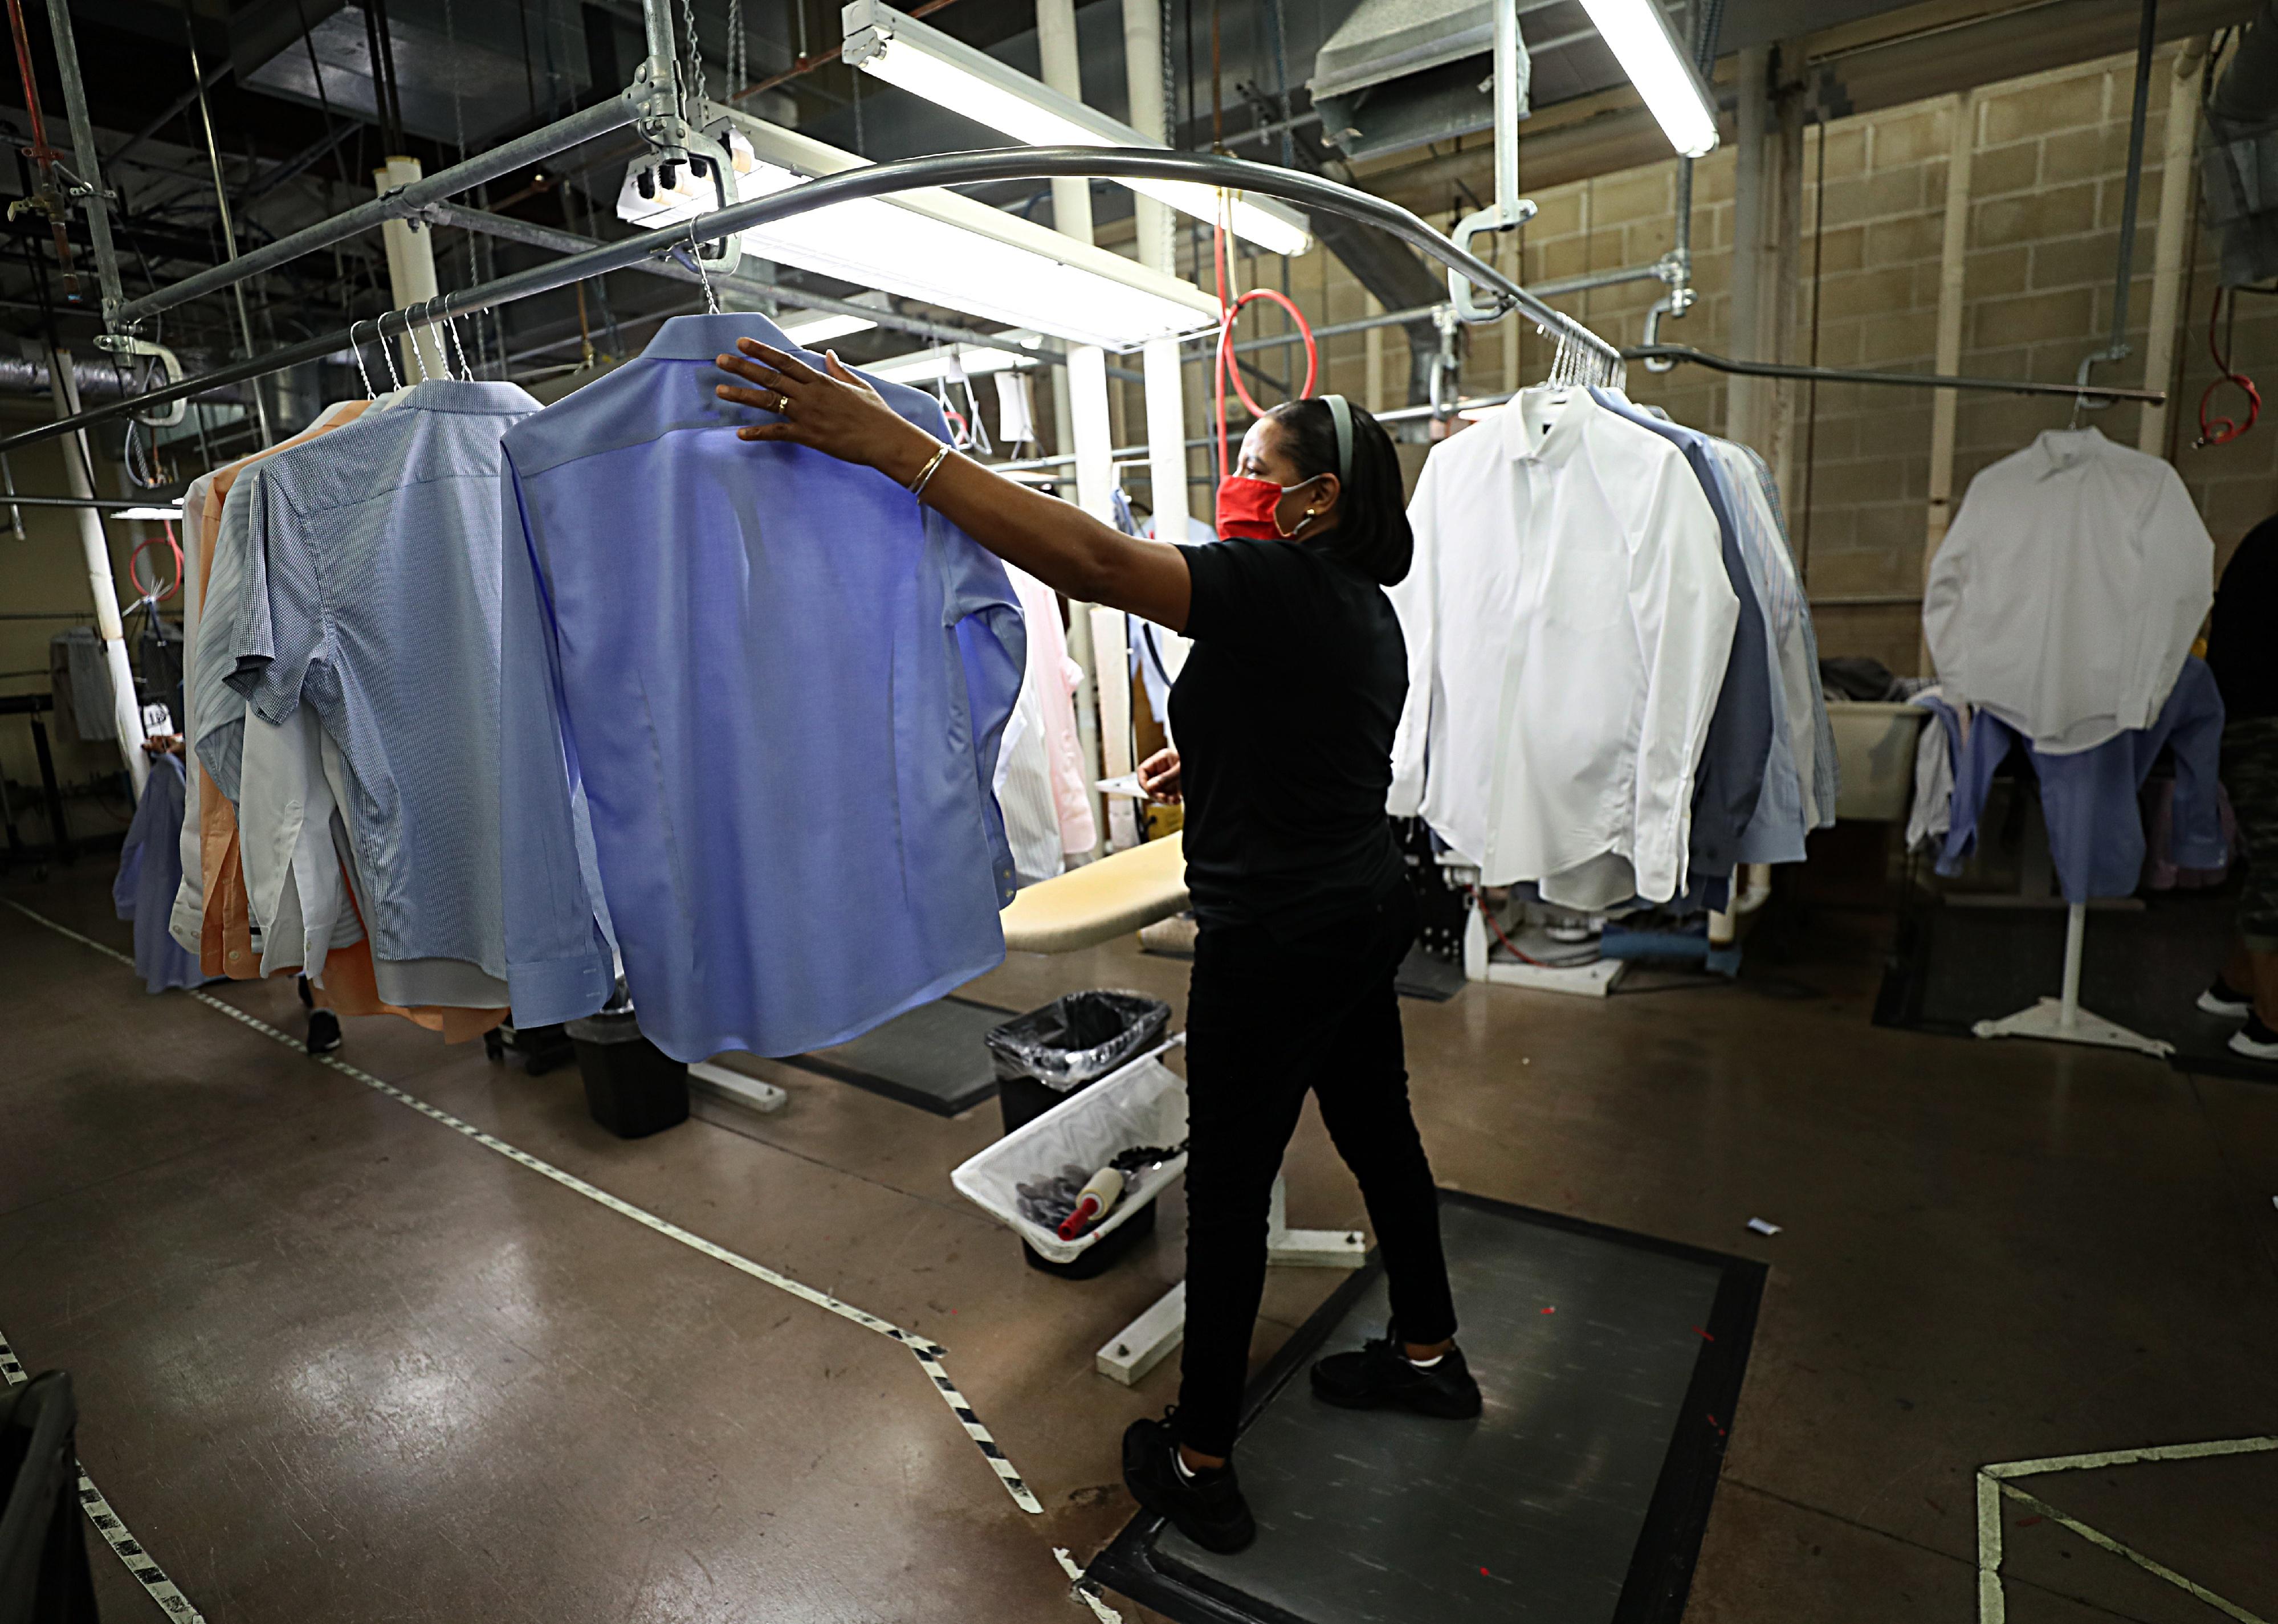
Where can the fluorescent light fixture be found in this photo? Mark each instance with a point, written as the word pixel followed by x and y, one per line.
pixel 821 328
pixel 154 514
pixel 934 245
pixel 926 62
pixel 1649 52
pixel 925 365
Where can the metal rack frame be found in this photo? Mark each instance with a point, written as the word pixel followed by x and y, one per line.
pixel 873 180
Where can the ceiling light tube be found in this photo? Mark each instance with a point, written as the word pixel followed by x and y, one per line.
pixel 926 366
pixel 821 328
pixel 1650 53
pixel 937 247
pixel 927 63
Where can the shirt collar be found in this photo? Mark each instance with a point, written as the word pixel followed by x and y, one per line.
pixel 475 396
pixel 1525 439
pixel 704 337
pixel 2064 448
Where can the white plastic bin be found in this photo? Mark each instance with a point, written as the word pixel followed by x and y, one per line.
pixel 1875 757
pixel 1142 1103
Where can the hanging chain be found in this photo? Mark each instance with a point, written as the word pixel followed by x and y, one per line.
pixel 737 50
pixel 693 90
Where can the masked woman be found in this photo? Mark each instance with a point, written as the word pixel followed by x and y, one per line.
pixel 1284 717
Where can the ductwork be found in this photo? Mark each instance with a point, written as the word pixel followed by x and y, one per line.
pixel 98 378
pixel 2238 154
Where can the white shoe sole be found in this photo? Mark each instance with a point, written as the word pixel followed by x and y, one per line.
pixel 2241 1044
pixel 2224 1008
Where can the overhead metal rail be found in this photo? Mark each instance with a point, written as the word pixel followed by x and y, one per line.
pixel 872 181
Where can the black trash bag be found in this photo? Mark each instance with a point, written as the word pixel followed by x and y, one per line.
pixel 1074 1039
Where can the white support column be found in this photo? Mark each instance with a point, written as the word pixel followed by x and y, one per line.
pixel 1753 272
pixel 411 273
pixel 2170 244
pixel 1158 249
pixel 1107 661
pixel 1952 263
pixel 102 587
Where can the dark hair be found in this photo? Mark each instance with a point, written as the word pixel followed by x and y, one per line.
pixel 1372 534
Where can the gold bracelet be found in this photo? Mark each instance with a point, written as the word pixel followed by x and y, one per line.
pixel 917 486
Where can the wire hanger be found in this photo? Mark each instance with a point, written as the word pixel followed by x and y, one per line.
pixel 418 350
pixel 379 332
pixel 696 258
pixel 357 350
pixel 451 326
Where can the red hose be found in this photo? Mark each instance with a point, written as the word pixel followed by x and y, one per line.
pixel 135 557
pixel 1225 366
pixel 2222 431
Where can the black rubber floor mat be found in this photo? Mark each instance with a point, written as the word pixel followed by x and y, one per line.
pixel 1610 1363
pixel 1427 976
pixel 931 1057
pixel 2144 969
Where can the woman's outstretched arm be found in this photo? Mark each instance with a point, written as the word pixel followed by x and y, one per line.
pixel 1056 542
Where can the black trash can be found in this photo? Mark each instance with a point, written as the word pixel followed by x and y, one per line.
pixel 632 1087
pixel 1045 1056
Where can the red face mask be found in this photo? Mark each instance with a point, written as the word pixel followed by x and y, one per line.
pixel 1246 508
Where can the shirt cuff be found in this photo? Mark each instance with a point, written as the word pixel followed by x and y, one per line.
pixel 549 991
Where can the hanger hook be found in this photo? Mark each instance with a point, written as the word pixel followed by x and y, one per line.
pixel 696 258
pixel 356 350
pixel 380 332
pixel 418 350
pixel 451 326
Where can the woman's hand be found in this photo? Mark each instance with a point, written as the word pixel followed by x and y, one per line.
pixel 834 411
pixel 1158 776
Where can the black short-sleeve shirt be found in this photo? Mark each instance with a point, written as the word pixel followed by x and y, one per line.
pixel 1284 717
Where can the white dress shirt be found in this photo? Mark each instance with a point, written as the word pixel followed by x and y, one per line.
pixel 1568 620
pixel 2069 590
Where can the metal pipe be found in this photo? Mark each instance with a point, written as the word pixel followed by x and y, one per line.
pixel 228 230
pixel 1904 380
pixel 599 119
pixel 16 498
pixel 1509 92
pixel 2146 40
pixel 86 160
pixel 878 180
pixel 534 236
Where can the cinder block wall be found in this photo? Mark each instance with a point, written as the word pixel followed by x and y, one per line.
pixel 2049 169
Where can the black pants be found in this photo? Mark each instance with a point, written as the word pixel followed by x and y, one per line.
pixel 1266 1021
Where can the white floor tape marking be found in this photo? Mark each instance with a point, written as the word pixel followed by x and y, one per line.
pixel 1993 1484
pixel 1083 1591
pixel 107 1522
pixel 929 1353
pixel 2144 1562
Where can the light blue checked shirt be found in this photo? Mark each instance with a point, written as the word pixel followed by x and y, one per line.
pixel 1799 643
pixel 372 598
pixel 781 682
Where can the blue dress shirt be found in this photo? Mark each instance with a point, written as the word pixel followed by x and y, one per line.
pixel 780 682
pixel 2088 797
pixel 1736 761
pixel 373 598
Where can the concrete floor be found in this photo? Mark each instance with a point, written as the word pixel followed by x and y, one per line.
pixel 339 1362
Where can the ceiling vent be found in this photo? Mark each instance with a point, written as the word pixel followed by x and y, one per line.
pixel 1398 74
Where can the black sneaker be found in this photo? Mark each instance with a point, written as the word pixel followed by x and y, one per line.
pixel 1380 1377
pixel 1207 1508
pixel 2255 1040
pixel 2227 1000
pixel 324 1032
